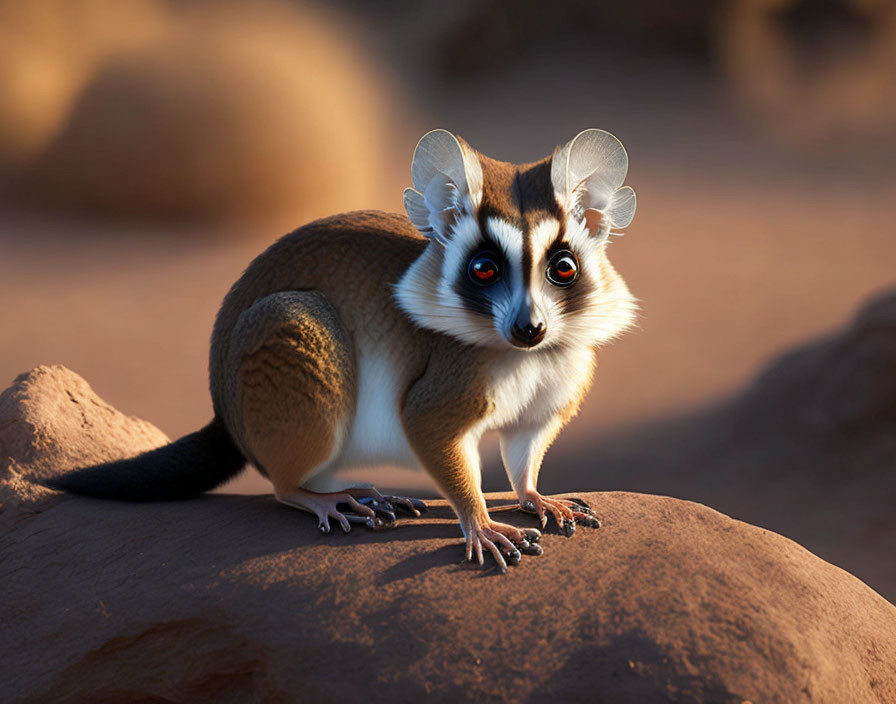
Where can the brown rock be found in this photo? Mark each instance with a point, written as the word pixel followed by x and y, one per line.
pixel 807 449
pixel 237 111
pixel 48 50
pixel 241 599
pixel 52 421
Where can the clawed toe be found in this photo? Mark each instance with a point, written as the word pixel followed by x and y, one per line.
pixel 513 556
pixel 527 547
pixel 373 522
pixel 531 534
pixel 566 513
pixel 414 507
pixel 583 513
pixel 383 509
pixel 567 526
pixel 588 520
pixel 581 503
pixel 506 543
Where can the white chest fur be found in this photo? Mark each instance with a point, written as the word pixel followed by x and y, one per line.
pixel 524 388
pixel 530 388
pixel 376 435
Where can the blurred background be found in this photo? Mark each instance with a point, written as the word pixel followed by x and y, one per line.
pixel 150 148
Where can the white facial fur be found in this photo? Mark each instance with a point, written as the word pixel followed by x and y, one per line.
pixel 425 292
pixel 428 292
pixel 587 175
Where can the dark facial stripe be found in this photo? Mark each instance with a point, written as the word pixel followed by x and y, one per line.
pixel 574 298
pixel 527 235
pixel 478 299
pixel 527 258
pixel 558 243
pixel 474 298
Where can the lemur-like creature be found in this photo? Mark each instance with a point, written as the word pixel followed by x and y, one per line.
pixel 355 341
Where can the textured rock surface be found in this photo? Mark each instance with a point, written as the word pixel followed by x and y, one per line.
pixel 239 598
pixel 808 449
pixel 52 421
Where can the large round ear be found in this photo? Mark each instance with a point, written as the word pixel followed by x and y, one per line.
pixel 447 181
pixel 587 174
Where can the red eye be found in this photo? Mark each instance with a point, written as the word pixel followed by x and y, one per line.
pixel 563 269
pixel 484 269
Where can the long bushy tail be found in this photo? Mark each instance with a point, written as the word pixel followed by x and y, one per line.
pixel 183 469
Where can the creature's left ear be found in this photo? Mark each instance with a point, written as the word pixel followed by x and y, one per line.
pixel 447 180
pixel 587 174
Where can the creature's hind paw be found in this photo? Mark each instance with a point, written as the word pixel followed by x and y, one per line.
pixel 341 507
pixel 369 496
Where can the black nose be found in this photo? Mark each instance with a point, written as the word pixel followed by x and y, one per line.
pixel 526 334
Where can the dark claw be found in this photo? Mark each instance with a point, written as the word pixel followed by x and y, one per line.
pixel 568 528
pixel 386 514
pixel 374 523
pixel 324 528
pixel 513 557
pixel 585 507
pixel 528 507
pixel 376 504
pixel 530 548
pixel 589 520
pixel 415 507
pixel 583 513
pixel 532 535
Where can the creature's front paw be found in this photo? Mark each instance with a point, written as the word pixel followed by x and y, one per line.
pixel 566 512
pixel 506 543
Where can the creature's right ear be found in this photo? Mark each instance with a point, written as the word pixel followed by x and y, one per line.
pixel 447 181
pixel 587 174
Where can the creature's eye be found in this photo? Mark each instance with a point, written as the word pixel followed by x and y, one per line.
pixel 563 269
pixel 484 269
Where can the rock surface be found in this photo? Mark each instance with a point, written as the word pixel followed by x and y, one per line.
pixel 241 599
pixel 51 421
pixel 807 449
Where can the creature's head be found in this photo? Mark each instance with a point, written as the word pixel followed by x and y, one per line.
pixel 518 253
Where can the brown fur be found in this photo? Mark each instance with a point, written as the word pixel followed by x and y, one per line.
pixel 439 410
pixel 519 194
pixel 283 363
pixel 295 380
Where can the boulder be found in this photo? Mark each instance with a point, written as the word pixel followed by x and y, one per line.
pixel 49 49
pixel 237 111
pixel 51 421
pixel 238 598
pixel 808 449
